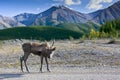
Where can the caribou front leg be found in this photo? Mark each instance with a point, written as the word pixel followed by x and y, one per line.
pixel 47 64
pixel 41 63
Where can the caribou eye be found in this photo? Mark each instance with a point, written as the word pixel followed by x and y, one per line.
pixel 39 52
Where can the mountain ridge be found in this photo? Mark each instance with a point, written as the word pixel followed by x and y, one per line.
pixel 61 14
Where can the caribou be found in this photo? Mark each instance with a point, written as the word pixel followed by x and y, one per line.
pixel 44 50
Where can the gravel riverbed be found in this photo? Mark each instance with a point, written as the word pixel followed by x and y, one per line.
pixel 88 60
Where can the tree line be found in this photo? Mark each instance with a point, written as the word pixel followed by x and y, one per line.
pixel 110 29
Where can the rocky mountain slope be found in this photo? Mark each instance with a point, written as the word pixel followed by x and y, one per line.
pixel 7 22
pixel 108 14
pixel 53 16
pixel 26 18
pixel 59 14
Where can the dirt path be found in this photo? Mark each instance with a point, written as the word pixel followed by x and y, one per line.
pixel 64 74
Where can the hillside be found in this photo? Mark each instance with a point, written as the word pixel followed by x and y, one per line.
pixel 79 27
pixel 41 33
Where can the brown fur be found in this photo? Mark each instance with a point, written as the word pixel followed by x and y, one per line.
pixel 42 50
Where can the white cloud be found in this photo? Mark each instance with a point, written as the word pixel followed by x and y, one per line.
pixel 107 1
pixel 97 4
pixel 69 2
pixel 72 2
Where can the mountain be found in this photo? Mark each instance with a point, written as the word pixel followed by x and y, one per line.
pixel 7 22
pixel 59 14
pixel 108 14
pixel 3 24
pixel 53 16
pixel 26 18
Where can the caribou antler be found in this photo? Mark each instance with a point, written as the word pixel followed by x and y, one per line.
pixel 48 45
pixel 52 43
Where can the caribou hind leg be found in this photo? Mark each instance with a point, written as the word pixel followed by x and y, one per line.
pixel 24 58
pixel 26 66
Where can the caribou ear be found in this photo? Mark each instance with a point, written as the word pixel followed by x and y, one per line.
pixel 53 48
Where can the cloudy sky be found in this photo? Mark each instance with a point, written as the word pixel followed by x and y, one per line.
pixel 14 7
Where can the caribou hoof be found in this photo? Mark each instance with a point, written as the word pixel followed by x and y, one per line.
pixel 22 71
pixel 41 71
pixel 48 70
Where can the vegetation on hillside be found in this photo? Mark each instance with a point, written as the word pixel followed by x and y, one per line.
pixel 79 27
pixel 108 30
pixel 41 33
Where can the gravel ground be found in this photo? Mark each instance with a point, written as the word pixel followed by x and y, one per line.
pixel 89 60
pixel 64 73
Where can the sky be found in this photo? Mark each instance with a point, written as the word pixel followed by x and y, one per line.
pixel 13 7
